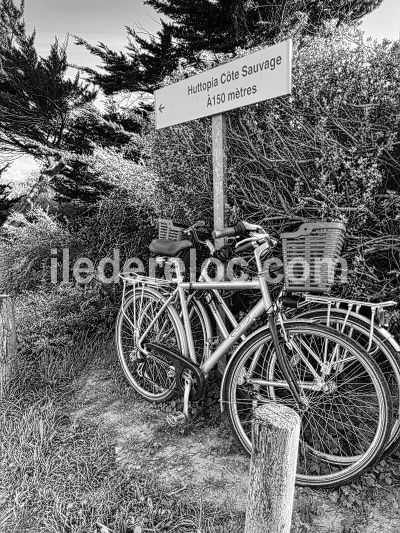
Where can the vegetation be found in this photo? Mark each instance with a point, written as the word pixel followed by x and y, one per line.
pixel 6 202
pixel 141 69
pixel 331 150
pixel 37 100
pixel 199 32
pixel 48 115
pixel 223 26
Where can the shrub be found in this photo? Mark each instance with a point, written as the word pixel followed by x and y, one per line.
pixel 182 157
pixel 25 250
pixel 329 151
pixel 126 218
pixel 52 319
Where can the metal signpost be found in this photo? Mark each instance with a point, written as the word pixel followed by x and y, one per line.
pixel 247 80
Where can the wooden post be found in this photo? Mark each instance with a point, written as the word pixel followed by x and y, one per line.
pixel 275 437
pixel 219 171
pixel 8 344
pixel 219 188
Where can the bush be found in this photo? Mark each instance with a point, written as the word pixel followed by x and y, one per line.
pixel 182 157
pixel 126 218
pixel 52 319
pixel 25 250
pixel 329 151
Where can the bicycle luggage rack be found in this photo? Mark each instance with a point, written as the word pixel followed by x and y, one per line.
pixel 140 282
pixel 132 278
pixel 136 281
pixel 352 306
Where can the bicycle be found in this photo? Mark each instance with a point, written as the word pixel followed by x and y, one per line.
pixel 308 366
pixel 343 314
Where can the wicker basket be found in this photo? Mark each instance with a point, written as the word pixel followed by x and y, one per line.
pixel 168 230
pixel 310 255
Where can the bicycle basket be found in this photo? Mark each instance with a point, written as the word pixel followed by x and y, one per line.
pixel 168 230
pixel 310 255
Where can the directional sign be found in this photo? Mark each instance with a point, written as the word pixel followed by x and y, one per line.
pixel 247 80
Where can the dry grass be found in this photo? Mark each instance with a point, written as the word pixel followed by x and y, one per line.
pixel 61 477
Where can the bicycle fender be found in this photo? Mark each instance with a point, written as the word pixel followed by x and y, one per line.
pixel 389 337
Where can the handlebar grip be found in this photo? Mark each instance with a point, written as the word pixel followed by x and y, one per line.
pixel 224 232
pixel 239 229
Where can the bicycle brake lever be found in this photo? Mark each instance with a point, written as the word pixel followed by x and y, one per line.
pixel 210 246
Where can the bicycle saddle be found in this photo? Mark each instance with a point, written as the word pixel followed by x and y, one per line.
pixel 169 248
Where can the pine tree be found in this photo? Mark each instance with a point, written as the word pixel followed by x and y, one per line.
pixel 142 68
pixel 218 26
pixel 11 21
pixel 223 25
pixel 37 99
pixel 45 114
pixel 89 128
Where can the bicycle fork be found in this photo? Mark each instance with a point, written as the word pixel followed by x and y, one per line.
pixel 284 364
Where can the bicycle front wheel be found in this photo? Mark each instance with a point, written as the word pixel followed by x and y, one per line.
pixel 380 350
pixel 151 375
pixel 346 412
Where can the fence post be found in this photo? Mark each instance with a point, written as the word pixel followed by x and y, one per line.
pixel 275 437
pixel 8 344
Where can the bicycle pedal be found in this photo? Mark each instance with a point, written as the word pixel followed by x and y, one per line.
pixel 176 419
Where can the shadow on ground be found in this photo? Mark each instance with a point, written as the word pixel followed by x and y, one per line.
pixel 201 462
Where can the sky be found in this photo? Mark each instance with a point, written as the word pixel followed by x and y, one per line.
pixel 94 20
pixel 105 21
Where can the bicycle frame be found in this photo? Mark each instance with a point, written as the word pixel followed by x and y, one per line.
pixel 230 338
pixel 265 304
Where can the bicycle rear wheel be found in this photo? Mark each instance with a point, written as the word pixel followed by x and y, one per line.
pixel 381 350
pixel 200 325
pixel 150 374
pixel 346 417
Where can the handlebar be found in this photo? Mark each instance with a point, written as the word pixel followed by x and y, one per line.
pixel 201 234
pixel 224 232
pixel 241 229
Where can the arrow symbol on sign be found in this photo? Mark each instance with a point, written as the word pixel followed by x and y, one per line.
pixel 161 108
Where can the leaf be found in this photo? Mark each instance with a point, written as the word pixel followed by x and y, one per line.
pixel 334 496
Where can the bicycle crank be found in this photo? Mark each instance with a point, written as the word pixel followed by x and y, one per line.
pixel 183 367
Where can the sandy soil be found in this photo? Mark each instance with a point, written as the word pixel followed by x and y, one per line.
pixel 201 461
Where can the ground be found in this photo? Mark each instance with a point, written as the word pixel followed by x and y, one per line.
pixel 200 462
pixel 80 452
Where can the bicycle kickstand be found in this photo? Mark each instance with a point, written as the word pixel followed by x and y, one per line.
pixel 181 418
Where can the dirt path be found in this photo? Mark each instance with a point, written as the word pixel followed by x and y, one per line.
pixel 202 462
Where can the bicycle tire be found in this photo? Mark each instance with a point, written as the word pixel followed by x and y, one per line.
pixel 201 329
pixel 332 473
pixel 383 353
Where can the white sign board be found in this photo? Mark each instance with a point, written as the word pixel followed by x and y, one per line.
pixel 247 80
